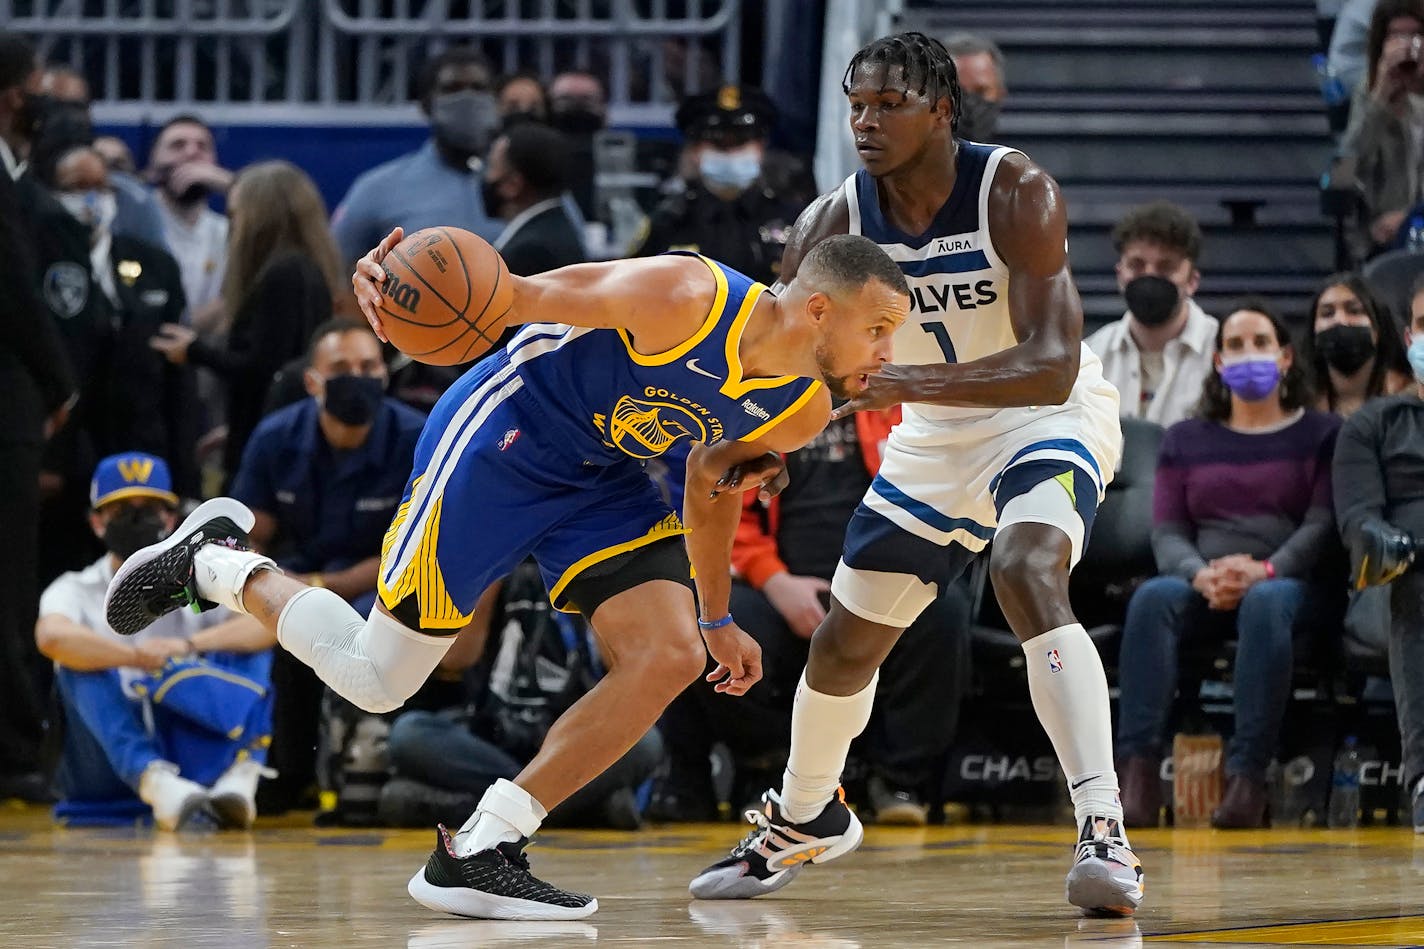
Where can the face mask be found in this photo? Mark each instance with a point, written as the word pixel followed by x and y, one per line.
pixel 353 400
pixel 1251 378
pixel 33 111
pixel 577 121
pixel 96 209
pixel 464 121
pixel 1151 299
pixel 512 119
pixel 130 529
pixel 978 117
pixel 489 192
pixel 1345 348
pixel 728 171
pixel 1416 357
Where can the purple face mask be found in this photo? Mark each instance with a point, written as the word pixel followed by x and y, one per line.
pixel 1252 378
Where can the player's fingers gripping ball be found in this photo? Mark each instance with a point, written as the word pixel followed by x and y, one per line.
pixel 445 296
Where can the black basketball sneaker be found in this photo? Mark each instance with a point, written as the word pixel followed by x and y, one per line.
pixel 492 884
pixel 774 852
pixel 158 579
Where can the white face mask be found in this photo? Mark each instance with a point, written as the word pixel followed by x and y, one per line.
pixel 95 208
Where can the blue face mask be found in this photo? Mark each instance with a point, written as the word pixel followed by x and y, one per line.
pixel 1416 357
pixel 728 171
pixel 1252 378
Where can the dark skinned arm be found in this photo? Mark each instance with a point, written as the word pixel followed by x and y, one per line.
pixel 1030 224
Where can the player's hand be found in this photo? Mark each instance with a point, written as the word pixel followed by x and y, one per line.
pixel 172 341
pixel 738 659
pixel 765 474
pixel 890 386
pixel 367 279
pixel 153 654
pixel 798 600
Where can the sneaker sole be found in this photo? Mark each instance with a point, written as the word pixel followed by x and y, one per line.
pixel 463 901
pixel 1092 887
pixel 233 810
pixel 729 883
pixel 235 511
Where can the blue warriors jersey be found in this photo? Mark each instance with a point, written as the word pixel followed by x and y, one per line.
pixel 610 401
pixel 540 449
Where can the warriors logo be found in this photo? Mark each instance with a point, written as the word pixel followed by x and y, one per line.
pixel 648 429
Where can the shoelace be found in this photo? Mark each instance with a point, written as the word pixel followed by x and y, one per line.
pixel 762 827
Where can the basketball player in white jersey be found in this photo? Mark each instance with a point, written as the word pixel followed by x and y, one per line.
pixel 1010 432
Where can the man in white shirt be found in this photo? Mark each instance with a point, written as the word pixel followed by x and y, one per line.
pixel 1160 352
pixel 182 165
pixel 179 714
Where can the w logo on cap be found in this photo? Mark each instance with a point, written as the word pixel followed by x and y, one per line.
pixel 136 469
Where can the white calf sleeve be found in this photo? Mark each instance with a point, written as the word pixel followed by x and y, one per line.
pixel 375 663
pixel 822 728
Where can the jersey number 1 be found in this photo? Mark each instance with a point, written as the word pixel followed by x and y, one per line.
pixel 941 334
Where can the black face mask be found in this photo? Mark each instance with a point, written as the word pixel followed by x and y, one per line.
pixel 512 119
pixel 353 400
pixel 1151 299
pixel 1345 348
pixel 978 117
pixel 577 121
pixel 33 111
pixel 130 529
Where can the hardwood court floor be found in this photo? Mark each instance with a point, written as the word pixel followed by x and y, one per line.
pixel 287 884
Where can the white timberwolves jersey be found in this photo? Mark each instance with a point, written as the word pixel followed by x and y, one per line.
pixel 959 307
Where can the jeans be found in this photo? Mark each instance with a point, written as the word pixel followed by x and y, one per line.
pixel 1406 667
pixel 438 748
pixel 107 744
pixel 1164 612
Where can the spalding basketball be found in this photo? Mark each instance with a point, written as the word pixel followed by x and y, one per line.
pixel 445 296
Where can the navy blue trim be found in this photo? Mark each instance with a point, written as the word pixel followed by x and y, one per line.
pixel 1051 444
pixel 964 262
pixel 873 542
pixel 1021 479
pixel 958 215
pixel 923 512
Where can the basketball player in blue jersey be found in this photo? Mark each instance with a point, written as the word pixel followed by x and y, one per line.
pixel 539 450
pixel 1009 432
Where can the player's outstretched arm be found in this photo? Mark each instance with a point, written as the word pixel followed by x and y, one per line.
pixel 716 478
pixel 1030 226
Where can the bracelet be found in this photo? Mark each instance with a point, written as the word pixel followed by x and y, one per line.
pixel 704 625
pixel 1270 570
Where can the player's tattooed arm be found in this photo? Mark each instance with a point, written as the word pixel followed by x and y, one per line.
pixel 1030 227
pixel 823 217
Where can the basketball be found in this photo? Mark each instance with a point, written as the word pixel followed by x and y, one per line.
pixel 445 296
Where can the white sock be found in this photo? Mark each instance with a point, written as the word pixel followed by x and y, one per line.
pixel 505 813
pixel 220 573
pixel 375 663
pixel 822 728
pixel 162 789
pixel 1070 695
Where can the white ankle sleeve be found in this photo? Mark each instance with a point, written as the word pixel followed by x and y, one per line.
pixel 375 663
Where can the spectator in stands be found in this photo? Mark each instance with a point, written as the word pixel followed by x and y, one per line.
pixel 117 154
pixel 440 182
pixel 132 396
pixel 1379 501
pixel 67 124
pixel 178 714
pixel 980 64
pixel 464 739
pixel 1353 349
pixel 525 180
pixel 1385 117
pixel 183 167
pixel 1160 353
pixel 521 98
pixel 578 107
pixel 725 208
pixel 283 268
pixel 1349 41
pixel 785 554
pixel 1242 513
pixel 324 477
pixel 39 391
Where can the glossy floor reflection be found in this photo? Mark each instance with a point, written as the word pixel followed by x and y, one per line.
pixel 290 885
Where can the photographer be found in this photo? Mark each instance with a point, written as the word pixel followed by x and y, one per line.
pixel 1379 503
pixel 1386 119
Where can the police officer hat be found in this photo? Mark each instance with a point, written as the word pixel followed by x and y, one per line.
pixel 729 115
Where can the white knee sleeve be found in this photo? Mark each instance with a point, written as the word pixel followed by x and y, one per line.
pixel 376 663
pixel 1047 502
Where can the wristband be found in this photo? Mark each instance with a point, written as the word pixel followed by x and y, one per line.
pixel 1270 570
pixel 704 625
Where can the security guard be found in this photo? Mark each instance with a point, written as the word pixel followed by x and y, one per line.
pixel 723 206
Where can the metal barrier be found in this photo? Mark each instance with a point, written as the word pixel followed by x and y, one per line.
pixel 353 60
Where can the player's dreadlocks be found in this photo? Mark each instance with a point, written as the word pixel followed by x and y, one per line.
pixel 924 62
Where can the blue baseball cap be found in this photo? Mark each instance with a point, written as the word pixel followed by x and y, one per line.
pixel 132 474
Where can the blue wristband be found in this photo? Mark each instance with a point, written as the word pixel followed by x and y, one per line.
pixel 715 624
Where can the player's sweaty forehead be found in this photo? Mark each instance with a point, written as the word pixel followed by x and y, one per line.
pixel 879 78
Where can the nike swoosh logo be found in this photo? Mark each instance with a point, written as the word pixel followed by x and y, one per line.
pixel 692 365
pixel 1074 787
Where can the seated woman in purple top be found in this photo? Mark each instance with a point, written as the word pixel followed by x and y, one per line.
pixel 1242 512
